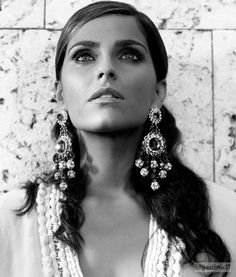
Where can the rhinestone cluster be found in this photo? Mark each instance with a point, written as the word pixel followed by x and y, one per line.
pixel 158 170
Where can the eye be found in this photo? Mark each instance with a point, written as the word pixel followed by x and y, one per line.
pixel 131 54
pixel 83 57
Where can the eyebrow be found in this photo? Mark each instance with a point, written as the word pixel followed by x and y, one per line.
pixel 118 43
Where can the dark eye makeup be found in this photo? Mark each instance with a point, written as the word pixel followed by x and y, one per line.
pixel 83 55
pixel 131 54
pixel 128 54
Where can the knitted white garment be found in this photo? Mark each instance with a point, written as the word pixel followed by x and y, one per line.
pixel 163 257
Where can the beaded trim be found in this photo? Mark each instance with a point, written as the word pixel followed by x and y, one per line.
pixel 163 257
pixel 58 259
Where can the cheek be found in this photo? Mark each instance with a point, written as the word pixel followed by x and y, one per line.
pixel 73 91
pixel 142 86
pixel 73 100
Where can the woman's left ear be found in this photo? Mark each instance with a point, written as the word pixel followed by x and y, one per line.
pixel 160 95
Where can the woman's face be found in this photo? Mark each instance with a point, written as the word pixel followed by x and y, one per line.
pixel 108 81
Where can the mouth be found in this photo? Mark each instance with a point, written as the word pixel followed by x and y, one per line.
pixel 106 93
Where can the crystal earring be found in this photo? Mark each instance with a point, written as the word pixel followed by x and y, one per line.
pixel 63 158
pixel 152 159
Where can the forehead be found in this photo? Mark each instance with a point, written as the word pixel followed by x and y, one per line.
pixel 109 28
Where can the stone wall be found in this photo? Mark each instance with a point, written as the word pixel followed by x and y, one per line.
pixel 200 37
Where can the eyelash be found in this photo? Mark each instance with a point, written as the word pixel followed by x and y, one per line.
pixel 80 54
pixel 133 52
pixel 136 55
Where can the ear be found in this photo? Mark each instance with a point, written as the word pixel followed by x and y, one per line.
pixel 59 92
pixel 160 95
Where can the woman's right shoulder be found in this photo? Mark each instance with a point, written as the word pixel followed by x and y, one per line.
pixel 10 222
pixel 12 200
pixel 9 203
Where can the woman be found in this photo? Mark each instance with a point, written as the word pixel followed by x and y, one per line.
pixel 119 201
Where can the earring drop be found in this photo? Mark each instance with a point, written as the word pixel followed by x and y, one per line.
pixel 152 159
pixel 63 158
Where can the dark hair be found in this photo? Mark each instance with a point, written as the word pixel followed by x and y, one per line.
pixel 181 205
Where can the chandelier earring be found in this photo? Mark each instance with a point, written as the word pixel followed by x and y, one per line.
pixel 64 156
pixel 152 158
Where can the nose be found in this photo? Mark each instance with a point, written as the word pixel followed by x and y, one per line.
pixel 109 74
pixel 106 70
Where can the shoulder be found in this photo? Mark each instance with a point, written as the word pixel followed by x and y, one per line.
pixel 12 200
pixel 221 197
pixel 9 202
pixel 15 229
pixel 19 240
pixel 222 201
pixel 223 207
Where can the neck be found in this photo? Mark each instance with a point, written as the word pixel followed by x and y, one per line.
pixel 107 159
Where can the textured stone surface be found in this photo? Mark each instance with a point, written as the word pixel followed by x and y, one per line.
pixel 225 106
pixel 21 14
pixel 27 103
pixel 190 95
pixel 204 14
pixel 167 14
pixel 58 12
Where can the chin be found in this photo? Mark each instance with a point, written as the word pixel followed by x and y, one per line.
pixel 111 122
pixel 109 127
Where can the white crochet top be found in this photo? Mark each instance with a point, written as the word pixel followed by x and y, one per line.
pixel 28 247
pixel 163 257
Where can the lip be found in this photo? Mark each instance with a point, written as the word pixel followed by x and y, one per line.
pixel 115 94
